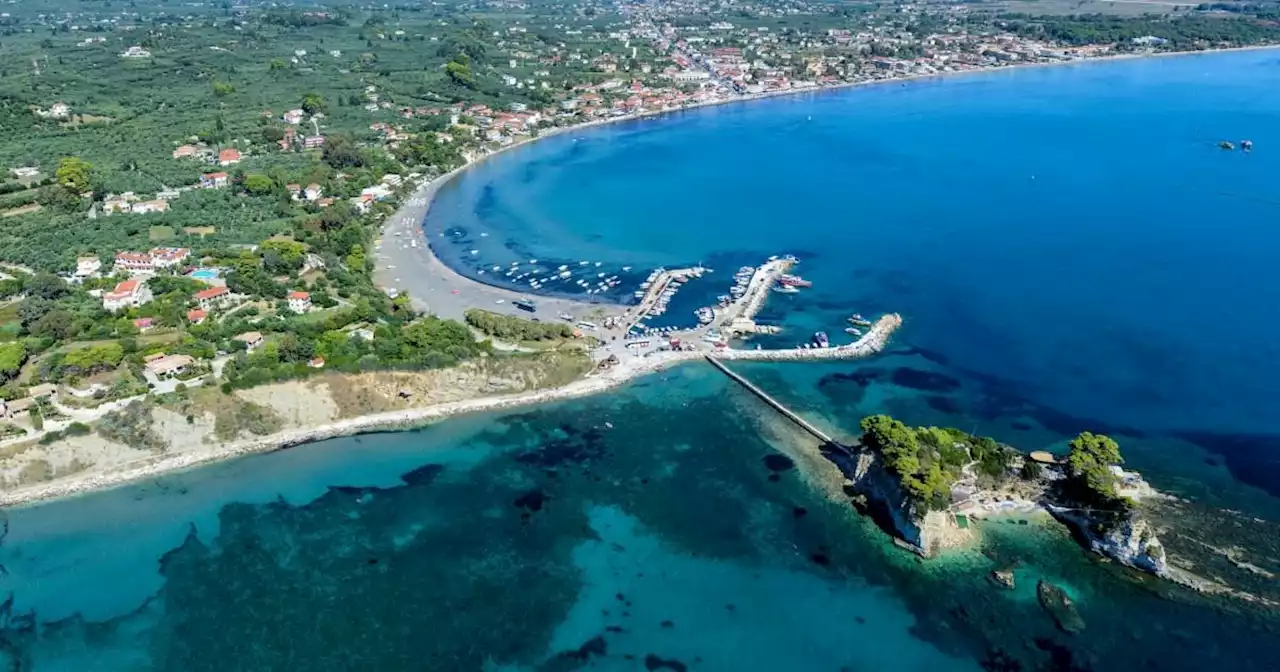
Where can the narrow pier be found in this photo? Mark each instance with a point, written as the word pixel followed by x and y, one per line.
pixel 777 405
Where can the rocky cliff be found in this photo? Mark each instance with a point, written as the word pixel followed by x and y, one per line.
pixel 925 532
pixel 1130 541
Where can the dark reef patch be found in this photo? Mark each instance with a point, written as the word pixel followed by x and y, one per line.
pixel 531 501
pixel 863 377
pixel 777 462
pixel 943 404
pixel 930 355
pixel 1251 458
pixel 652 663
pixel 927 381
pixel 423 475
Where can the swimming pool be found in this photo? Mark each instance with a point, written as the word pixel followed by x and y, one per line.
pixel 204 274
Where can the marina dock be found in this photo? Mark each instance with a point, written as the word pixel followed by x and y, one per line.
pixel 739 316
pixel 661 280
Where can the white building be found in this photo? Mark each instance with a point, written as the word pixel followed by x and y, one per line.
pixel 128 294
pixel 214 297
pixel 690 77
pixel 299 302
pixel 88 266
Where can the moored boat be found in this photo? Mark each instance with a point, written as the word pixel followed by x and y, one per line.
pixel 794 281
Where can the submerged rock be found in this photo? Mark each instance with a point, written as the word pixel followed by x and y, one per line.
pixel 1003 577
pixel 1055 601
pixel 777 462
pixel 652 662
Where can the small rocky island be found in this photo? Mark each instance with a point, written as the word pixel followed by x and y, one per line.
pixel 924 485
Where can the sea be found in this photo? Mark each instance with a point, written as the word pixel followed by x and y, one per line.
pixel 1070 250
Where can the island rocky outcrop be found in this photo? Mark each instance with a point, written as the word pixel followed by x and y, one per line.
pixel 924 485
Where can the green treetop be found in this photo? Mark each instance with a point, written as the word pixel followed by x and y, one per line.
pixel 74 174
pixel 1090 460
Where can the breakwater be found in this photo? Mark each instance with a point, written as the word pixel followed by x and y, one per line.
pixel 872 342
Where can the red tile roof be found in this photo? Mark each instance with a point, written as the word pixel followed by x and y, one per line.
pixel 211 293
pixel 299 295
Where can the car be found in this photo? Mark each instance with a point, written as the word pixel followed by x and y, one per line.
pixel 500 301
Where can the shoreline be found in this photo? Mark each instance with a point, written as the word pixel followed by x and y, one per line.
pixel 419 204
pixel 596 382
pixel 412 214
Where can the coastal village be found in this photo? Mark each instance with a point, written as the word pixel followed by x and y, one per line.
pixel 249 271
pixel 214 244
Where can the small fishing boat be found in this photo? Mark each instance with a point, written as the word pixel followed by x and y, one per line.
pixel 853 331
pixel 858 321
pixel 820 338
pixel 794 281
pixel 785 289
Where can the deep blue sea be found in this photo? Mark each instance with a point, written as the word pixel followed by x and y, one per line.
pixel 1070 250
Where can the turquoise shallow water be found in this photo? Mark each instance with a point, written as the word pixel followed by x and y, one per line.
pixel 546 539
pixel 1070 251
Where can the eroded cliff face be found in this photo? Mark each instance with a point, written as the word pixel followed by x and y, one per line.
pixel 925 532
pixel 885 498
pixel 1132 541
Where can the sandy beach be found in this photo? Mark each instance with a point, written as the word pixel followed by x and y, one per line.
pixel 438 289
